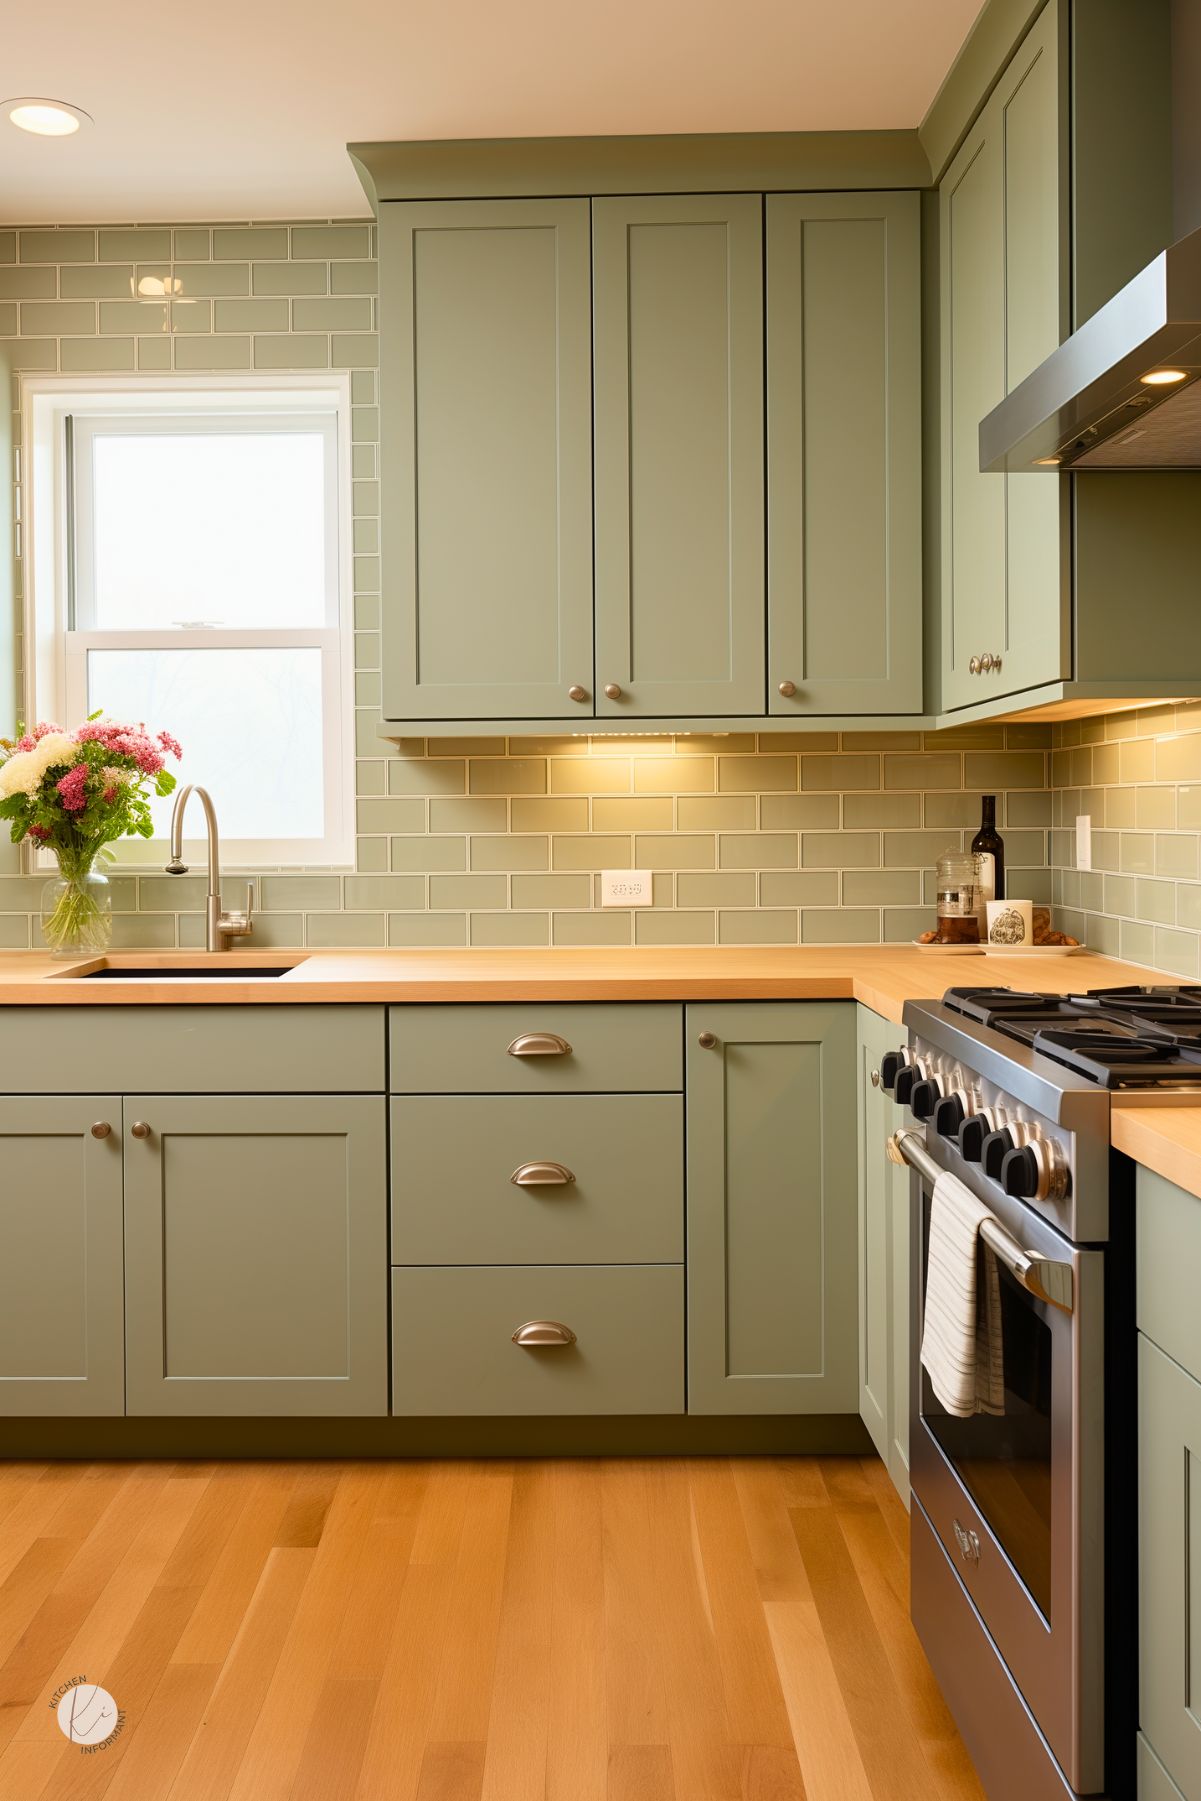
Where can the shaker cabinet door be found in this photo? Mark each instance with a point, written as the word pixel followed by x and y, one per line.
pixel 486 459
pixel 1169 1433
pixel 256 1254
pixel 844 454
pixel 678 323
pixel 771 1208
pixel 61 1277
pixel 1004 231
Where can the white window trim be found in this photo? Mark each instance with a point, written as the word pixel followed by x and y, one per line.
pixel 54 656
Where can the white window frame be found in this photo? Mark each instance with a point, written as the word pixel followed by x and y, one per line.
pixel 57 645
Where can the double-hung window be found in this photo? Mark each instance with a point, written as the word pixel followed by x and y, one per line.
pixel 189 557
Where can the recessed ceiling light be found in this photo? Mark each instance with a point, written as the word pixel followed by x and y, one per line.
pixel 46 118
pixel 1160 378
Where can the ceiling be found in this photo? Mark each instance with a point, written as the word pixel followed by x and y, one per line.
pixel 239 109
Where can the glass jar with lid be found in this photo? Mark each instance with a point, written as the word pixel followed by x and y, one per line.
pixel 960 897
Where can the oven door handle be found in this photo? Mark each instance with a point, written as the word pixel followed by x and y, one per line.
pixel 1045 1279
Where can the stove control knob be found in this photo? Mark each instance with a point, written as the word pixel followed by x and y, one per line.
pixel 906 1079
pixel 891 1064
pixel 948 1116
pixel 925 1096
pixel 972 1134
pixel 1022 1173
pixel 994 1151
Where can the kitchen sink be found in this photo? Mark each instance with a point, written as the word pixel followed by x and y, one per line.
pixel 182 972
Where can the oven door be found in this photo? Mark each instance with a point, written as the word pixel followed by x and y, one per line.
pixel 1018 1499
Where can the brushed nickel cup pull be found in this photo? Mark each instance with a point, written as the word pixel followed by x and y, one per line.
pixel 140 1129
pixel 539 1044
pixel 706 1040
pixel 101 1129
pixel 542 1175
pixel 544 1334
pixel 613 690
pixel 575 692
pixel 787 689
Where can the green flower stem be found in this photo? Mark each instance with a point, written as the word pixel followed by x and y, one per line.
pixel 78 920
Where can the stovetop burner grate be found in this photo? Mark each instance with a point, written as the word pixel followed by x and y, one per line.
pixel 1127 1037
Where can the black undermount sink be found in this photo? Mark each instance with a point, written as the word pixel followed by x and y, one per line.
pixel 203 972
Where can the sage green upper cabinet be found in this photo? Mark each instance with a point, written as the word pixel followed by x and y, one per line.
pixel 678 346
pixel 485 396
pixel 1004 307
pixel 771 1208
pixel 61 1276
pixel 256 1254
pixel 844 555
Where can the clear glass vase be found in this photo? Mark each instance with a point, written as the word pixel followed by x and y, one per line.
pixel 77 907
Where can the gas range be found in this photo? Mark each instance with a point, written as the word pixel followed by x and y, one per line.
pixel 1027 1610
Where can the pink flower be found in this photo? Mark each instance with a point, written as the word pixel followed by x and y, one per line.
pixel 72 788
pixel 171 744
pixel 38 831
pixel 39 731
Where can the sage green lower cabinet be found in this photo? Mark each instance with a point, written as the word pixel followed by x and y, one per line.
pixel 62 1347
pixel 772 1324
pixel 1154 1783
pixel 256 1254
pixel 844 434
pixel 453 1351
pixel 1170 1564
pixel 499 1178
pixel 883 1259
pixel 678 421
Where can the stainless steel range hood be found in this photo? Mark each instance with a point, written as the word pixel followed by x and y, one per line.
pixel 1093 403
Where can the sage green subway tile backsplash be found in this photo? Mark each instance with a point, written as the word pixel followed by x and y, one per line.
pixel 793 838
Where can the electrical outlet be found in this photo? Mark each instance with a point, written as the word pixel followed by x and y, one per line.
pixel 626 888
pixel 1084 841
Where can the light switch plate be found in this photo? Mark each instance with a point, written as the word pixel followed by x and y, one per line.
pixel 626 888
pixel 1084 841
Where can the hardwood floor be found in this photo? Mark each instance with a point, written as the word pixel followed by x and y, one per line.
pixel 573 1631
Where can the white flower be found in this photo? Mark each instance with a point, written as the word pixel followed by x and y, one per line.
pixel 23 773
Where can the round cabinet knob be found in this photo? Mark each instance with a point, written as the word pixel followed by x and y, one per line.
pixel 948 1116
pixel 1020 1173
pixel 994 1150
pixel 906 1079
pixel 706 1040
pixel 874 1078
pixel 613 690
pixel 925 1097
pixel 973 666
pixel 972 1134
pixel 575 692
pixel 986 662
pixel 101 1129
pixel 140 1129
pixel 787 689
pixel 891 1064
pixel 996 663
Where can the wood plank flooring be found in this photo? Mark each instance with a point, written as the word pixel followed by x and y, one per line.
pixel 707 1630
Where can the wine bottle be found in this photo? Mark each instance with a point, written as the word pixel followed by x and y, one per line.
pixel 990 846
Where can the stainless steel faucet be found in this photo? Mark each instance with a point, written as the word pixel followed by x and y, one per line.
pixel 219 927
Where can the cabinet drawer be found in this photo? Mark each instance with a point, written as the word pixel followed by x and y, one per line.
pixel 1168 1255
pixel 453 1349
pixel 455 1200
pixel 479 1050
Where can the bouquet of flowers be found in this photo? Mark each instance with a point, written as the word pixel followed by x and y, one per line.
pixel 75 792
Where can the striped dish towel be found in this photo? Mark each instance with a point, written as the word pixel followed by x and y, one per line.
pixel 961 1333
